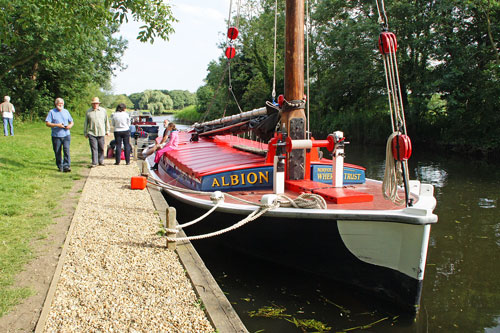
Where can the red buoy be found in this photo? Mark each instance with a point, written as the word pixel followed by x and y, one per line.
pixel 401 147
pixel 230 52
pixel 232 33
pixel 387 42
pixel 281 99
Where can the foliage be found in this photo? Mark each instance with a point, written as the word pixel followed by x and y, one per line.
pixel 155 101
pixel 122 99
pixel 251 69
pixel 45 55
pixel 181 98
pixel 448 59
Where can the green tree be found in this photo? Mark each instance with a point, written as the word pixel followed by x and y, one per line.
pixel 181 98
pixel 155 101
pixel 44 54
pixel 122 99
pixel 135 98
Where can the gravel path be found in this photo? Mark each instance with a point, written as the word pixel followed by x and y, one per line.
pixel 117 274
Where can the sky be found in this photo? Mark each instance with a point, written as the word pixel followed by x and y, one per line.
pixel 180 63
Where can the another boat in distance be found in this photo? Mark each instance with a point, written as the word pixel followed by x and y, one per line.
pixel 144 124
pixel 316 213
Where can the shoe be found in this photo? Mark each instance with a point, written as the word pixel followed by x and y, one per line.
pixel 117 163
pixel 128 163
pixel 101 164
pixel 60 169
pixel 155 167
pixel 68 169
pixel 93 165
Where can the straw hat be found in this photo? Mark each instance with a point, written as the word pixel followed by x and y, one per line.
pixel 95 100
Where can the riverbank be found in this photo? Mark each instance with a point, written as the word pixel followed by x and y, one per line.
pixel 115 246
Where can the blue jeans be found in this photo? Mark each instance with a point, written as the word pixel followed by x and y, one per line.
pixel 6 123
pixel 62 145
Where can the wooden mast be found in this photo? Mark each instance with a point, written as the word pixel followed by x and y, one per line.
pixel 293 116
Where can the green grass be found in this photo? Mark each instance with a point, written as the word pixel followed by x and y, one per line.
pixel 31 189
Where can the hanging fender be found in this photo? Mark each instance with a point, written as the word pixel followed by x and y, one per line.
pixel 401 147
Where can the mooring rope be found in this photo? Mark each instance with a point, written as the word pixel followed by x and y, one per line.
pixel 253 216
pixel 304 201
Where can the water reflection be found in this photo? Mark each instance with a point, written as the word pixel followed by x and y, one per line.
pixel 431 174
pixel 487 203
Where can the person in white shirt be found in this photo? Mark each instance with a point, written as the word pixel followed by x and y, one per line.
pixel 7 110
pixel 120 120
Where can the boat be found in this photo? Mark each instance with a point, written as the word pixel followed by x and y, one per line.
pixel 281 199
pixel 144 125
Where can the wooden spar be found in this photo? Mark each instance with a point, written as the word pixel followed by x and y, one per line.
pixel 294 118
pixel 240 116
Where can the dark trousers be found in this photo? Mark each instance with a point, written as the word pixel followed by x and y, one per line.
pixel 122 136
pixel 97 149
pixel 62 145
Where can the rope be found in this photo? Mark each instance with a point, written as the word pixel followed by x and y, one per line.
pixel 393 175
pixel 382 16
pixel 252 217
pixel 304 200
pixel 187 224
pixel 273 94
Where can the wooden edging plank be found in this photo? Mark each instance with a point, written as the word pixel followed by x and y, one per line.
pixel 219 311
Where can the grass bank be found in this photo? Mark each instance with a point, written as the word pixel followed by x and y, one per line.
pixel 188 115
pixel 31 188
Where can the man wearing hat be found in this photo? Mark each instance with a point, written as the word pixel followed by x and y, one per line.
pixel 96 126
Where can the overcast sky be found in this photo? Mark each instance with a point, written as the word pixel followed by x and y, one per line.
pixel 180 63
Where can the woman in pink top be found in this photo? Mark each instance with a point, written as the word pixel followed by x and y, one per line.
pixel 173 141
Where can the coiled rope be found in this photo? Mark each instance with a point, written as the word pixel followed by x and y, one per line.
pixel 393 176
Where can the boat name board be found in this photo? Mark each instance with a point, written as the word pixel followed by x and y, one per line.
pixel 249 179
pixel 323 174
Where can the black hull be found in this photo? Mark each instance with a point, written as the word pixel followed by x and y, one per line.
pixel 314 246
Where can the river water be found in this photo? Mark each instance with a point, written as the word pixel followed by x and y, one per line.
pixel 461 287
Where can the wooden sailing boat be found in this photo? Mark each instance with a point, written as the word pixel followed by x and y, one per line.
pixel 316 213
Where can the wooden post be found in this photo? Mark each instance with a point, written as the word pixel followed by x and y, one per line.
pixel 144 169
pixel 135 150
pixel 171 224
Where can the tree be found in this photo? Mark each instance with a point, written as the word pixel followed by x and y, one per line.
pixel 448 61
pixel 122 99
pixel 155 101
pixel 181 98
pixel 135 98
pixel 44 54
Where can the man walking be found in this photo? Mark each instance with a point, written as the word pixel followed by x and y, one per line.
pixel 96 126
pixel 7 110
pixel 60 121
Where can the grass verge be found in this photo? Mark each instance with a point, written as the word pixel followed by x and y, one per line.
pixel 188 115
pixel 31 189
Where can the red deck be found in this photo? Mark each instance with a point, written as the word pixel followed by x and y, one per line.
pixel 208 156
